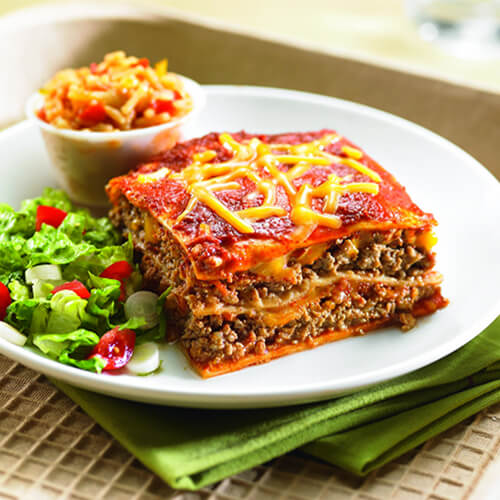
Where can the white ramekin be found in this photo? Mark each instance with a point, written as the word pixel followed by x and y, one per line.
pixel 84 161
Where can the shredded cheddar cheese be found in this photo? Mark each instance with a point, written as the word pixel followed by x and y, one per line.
pixel 205 228
pixel 205 156
pixel 361 168
pixel 210 200
pixel 269 166
pixel 427 240
pixel 352 152
pixel 261 212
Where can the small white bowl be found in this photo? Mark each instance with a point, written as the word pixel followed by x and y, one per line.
pixel 84 161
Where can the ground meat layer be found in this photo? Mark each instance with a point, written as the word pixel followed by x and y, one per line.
pixel 213 339
pixel 224 321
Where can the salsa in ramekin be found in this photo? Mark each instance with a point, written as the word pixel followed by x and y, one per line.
pixel 101 121
pixel 119 93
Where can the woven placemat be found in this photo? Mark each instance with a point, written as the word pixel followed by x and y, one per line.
pixel 50 449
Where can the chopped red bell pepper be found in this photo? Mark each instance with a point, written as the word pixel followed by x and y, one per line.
pixel 143 61
pixel 75 286
pixel 5 300
pixel 123 292
pixel 93 113
pixel 120 271
pixel 51 216
pixel 93 67
pixel 42 114
pixel 163 106
pixel 115 347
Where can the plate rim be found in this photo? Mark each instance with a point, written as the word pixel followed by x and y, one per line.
pixel 263 396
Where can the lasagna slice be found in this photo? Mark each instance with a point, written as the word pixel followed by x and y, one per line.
pixel 272 244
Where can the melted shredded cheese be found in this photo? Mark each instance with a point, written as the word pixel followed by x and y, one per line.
pixel 427 240
pixel 277 268
pixel 352 152
pixel 269 166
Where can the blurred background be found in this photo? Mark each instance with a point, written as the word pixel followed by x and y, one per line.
pixel 455 40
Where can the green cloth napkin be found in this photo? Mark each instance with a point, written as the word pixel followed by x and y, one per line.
pixel 359 432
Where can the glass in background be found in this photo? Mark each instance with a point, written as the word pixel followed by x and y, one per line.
pixel 465 28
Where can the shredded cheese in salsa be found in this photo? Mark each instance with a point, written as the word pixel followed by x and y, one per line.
pixel 262 164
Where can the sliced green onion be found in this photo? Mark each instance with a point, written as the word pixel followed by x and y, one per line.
pixel 11 335
pixel 146 359
pixel 43 272
pixel 143 305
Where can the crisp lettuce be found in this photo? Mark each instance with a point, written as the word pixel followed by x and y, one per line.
pixel 40 318
pixel 54 246
pixel 54 344
pixel 100 232
pixel 95 364
pixel 20 314
pixel 18 290
pixel 63 325
pixel 95 262
pixel 12 263
pixel 132 324
pixel 14 224
pixel 71 348
pixel 51 197
pixel 68 312
pixel 78 224
pixel 79 237
pixel 103 302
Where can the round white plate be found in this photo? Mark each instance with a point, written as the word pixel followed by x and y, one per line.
pixel 439 176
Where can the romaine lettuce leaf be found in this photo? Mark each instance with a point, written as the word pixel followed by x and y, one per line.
pixel 100 232
pixel 67 312
pixel 18 290
pixel 95 364
pixel 103 301
pixel 54 246
pixel 14 224
pixel 40 317
pixel 98 260
pixel 51 197
pixel 96 231
pixel 53 344
pixel 12 263
pixel 20 313
pixel 71 348
pixel 79 235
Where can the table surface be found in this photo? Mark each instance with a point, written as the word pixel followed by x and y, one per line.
pixel 50 449
pixel 377 29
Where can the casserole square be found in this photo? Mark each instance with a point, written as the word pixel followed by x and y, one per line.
pixel 273 244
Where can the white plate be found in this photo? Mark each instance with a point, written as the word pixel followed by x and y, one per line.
pixel 440 177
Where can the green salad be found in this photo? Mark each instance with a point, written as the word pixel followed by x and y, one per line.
pixel 69 287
